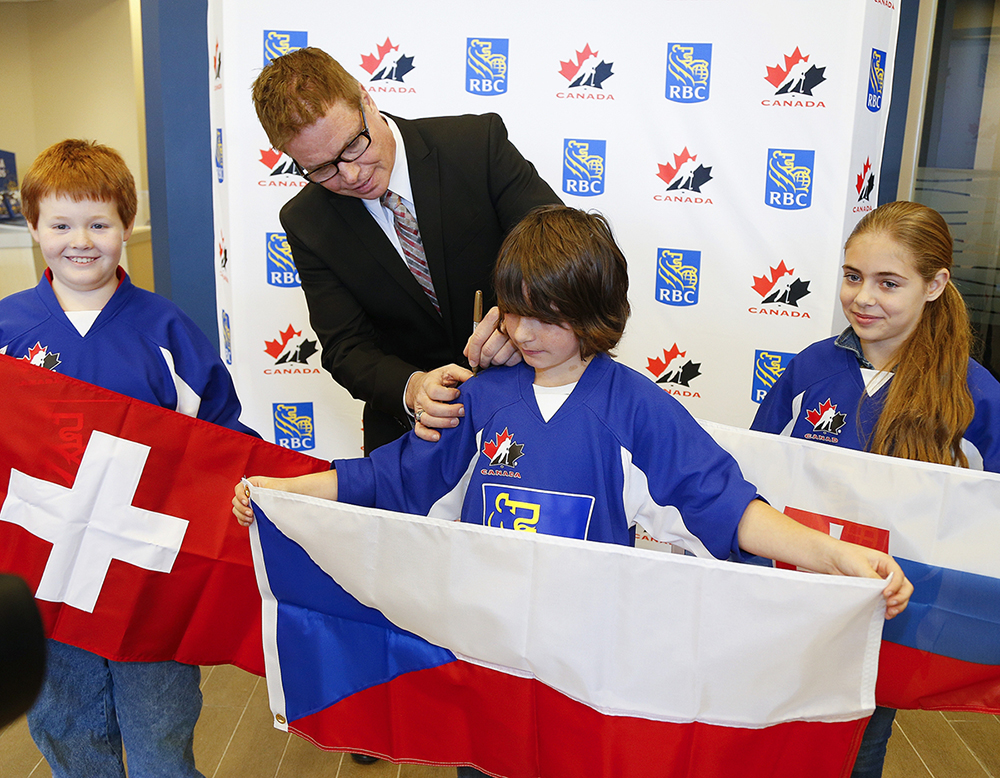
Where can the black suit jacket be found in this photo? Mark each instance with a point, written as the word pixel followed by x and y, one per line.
pixel 470 186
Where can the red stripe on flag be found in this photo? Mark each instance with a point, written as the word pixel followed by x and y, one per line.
pixel 912 679
pixel 498 722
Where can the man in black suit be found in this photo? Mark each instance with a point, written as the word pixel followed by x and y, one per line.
pixel 384 336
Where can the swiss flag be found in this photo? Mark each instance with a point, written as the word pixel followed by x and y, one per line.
pixel 118 515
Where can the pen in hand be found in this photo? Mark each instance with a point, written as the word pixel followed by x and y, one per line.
pixel 477 316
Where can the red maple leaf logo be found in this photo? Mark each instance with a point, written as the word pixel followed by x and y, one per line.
pixel 776 75
pixel 864 174
pixel 813 417
pixel 657 366
pixel 270 158
pixel 274 347
pixel 570 69
pixel 371 61
pixel 491 447
pixel 668 172
pixel 762 284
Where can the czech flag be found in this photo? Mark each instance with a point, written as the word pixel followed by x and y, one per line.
pixel 421 640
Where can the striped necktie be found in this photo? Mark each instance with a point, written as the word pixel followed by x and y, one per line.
pixel 413 247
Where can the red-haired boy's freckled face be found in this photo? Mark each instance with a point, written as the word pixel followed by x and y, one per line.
pixel 81 243
pixel 553 350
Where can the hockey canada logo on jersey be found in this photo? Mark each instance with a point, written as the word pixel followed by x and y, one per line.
pixel 827 422
pixel 780 293
pixel 486 66
pixel 387 63
pixel 502 451
pixel 586 76
pixel 864 187
pixel 583 167
pixel 674 372
pixel 684 179
pixel 794 82
pixel 689 72
pixel 291 353
pixel 41 356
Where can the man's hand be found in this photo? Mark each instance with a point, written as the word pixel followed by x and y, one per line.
pixel 432 397
pixel 489 346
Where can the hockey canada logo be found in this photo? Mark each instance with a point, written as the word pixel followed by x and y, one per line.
pixel 826 419
pixel 279 42
pixel 864 186
pixel 503 451
pixel 586 76
pixel 794 82
pixel 789 183
pixel 677 276
pixel 486 66
pixel 780 290
pixel 689 72
pixel 767 367
pixel 294 426
pixel 583 167
pixel 280 170
pixel 876 81
pixel 280 267
pixel 217 67
pixel 387 63
pixel 675 371
pixel 41 356
pixel 685 176
pixel 223 259
pixel 291 353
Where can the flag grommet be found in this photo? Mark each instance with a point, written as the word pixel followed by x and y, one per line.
pixel 279 718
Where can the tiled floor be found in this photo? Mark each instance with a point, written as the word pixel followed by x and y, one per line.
pixel 235 739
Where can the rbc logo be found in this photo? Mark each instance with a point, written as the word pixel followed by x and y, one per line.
pixel 789 179
pixel 486 66
pixel 280 267
pixel 531 510
pixel 279 42
pixel 689 71
pixel 677 274
pixel 767 367
pixel 583 167
pixel 293 426
pixel 218 155
pixel 876 80
pixel 227 338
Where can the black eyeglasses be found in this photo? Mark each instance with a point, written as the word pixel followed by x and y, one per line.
pixel 358 146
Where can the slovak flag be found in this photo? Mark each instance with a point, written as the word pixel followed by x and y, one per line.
pixel 118 515
pixel 429 641
pixel 942 524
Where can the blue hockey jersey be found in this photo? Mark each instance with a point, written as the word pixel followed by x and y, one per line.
pixel 141 345
pixel 818 397
pixel 618 451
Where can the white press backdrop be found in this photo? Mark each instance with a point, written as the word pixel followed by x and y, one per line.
pixel 732 146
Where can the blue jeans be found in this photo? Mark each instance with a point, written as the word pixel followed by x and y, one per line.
pixel 90 707
pixel 871 755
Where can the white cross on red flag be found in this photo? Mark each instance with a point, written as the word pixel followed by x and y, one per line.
pixel 118 515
